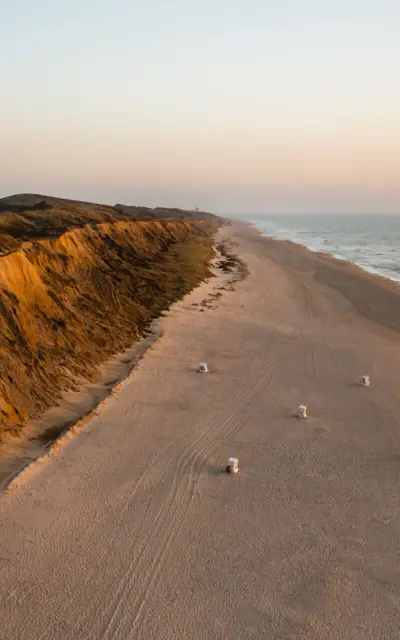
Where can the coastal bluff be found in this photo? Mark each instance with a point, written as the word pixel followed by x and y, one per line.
pixel 81 281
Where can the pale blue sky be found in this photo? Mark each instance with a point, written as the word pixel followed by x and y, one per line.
pixel 247 105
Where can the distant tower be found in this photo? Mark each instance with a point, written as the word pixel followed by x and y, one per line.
pixel 197 209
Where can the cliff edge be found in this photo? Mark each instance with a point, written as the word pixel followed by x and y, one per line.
pixel 79 282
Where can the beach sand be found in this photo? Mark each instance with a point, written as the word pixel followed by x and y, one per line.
pixel 133 530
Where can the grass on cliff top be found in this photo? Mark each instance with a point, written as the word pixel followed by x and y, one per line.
pixel 25 217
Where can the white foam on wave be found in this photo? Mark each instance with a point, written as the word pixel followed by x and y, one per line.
pixel 272 230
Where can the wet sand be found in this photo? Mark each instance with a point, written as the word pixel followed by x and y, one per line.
pixel 132 530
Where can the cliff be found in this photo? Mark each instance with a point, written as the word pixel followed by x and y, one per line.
pixel 79 282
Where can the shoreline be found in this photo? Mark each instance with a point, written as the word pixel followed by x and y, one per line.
pixel 370 270
pixel 349 274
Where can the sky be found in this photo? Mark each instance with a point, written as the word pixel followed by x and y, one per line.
pixel 256 106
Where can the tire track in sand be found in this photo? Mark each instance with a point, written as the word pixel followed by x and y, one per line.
pixel 139 619
pixel 139 541
pixel 106 548
pixel 142 538
pixel 190 465
pixel 307 351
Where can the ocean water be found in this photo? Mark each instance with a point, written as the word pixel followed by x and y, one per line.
pixel 372 242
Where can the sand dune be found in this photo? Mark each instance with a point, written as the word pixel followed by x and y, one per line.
pixel 133 531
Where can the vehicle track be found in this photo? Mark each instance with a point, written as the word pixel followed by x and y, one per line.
pixel 307 351
pixel 106 548
pixel 139 540
pixel 388 418
pixel 147 561
pixel 308 358
pixel 198 462
pixel 164 517
pixel 307 302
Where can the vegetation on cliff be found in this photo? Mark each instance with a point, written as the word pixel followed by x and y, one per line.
pixel 79 282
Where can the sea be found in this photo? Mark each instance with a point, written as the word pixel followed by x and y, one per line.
pixel 370 241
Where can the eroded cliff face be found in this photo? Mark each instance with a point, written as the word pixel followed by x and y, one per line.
pixel 67 303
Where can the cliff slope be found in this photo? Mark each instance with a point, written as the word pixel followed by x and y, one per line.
pixel 79 282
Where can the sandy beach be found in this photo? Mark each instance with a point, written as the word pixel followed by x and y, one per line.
pixel 131 530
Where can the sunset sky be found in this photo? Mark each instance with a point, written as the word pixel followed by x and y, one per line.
pixel 240 106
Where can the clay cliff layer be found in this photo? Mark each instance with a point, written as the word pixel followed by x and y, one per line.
pixel 72 293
